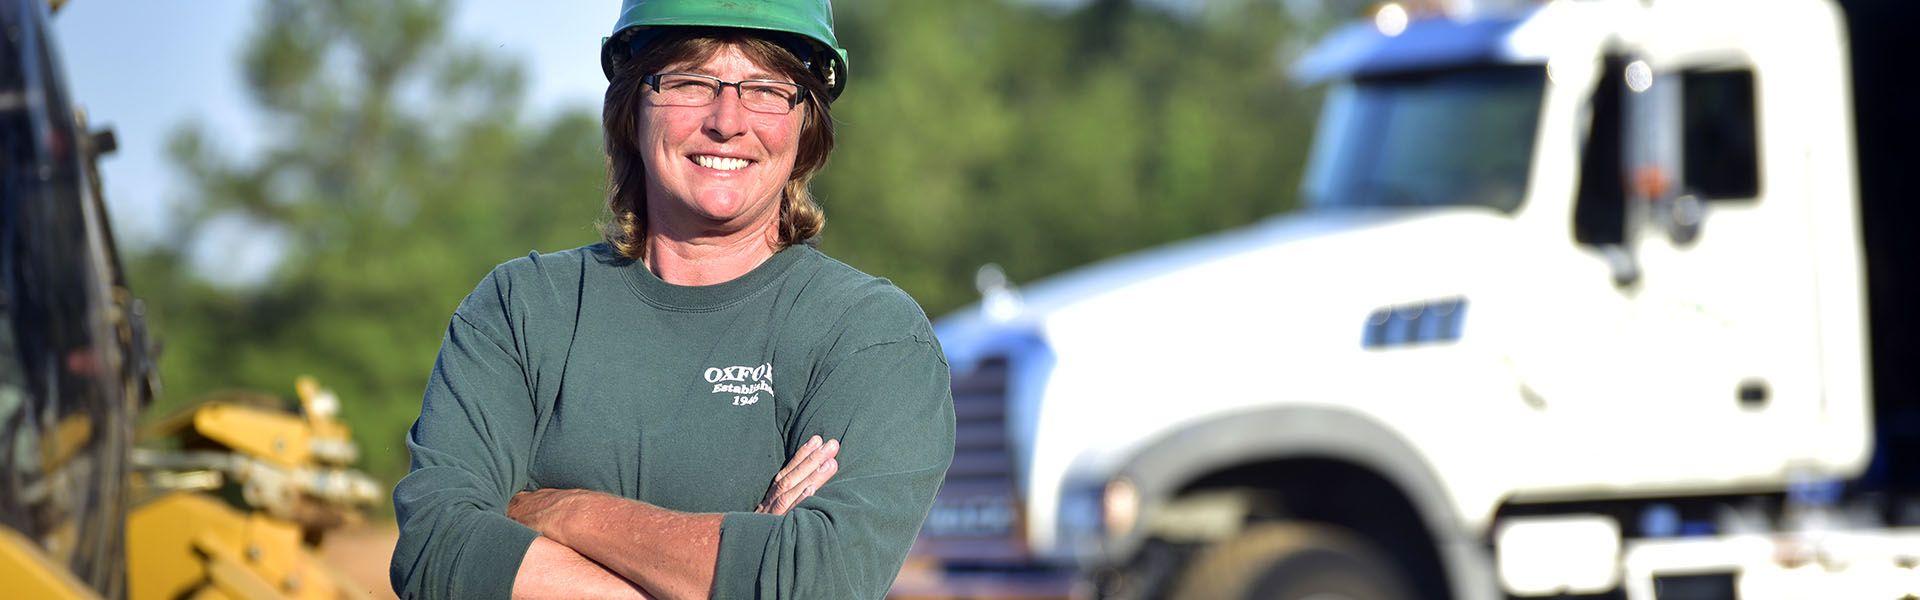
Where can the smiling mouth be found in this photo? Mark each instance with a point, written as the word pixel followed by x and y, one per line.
pixel 721 163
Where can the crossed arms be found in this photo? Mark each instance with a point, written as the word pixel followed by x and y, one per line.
pixel 464 533
pixel 596 545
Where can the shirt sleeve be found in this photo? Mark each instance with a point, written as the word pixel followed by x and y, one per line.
pixel 471 447
pixel 891 407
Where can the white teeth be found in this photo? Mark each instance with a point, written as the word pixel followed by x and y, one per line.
pixel 720 163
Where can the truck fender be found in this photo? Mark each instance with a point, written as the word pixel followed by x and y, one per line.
pixel 1160 468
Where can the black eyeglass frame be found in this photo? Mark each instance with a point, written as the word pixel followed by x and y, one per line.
pixel 801 93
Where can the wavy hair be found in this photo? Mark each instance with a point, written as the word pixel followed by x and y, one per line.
pixel 625 226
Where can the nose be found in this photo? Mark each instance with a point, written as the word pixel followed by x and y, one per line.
pixel 727 116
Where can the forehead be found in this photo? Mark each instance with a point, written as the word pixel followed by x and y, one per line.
pixel 730 61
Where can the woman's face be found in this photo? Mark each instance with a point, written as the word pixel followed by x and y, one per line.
pixel 717 168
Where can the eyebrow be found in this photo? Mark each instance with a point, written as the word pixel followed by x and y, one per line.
pixel 751 76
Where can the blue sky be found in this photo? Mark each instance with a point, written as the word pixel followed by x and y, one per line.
pixel 146 68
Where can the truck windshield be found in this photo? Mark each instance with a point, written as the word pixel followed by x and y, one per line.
pixel 1451 138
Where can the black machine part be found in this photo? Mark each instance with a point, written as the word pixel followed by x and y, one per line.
pixel 74 369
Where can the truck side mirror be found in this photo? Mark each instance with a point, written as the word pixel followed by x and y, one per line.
pixel 1601 210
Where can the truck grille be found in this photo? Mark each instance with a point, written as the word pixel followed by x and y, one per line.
pixel 976 516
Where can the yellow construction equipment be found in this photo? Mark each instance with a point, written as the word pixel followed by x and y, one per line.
pixel 291 477
pixel 228 500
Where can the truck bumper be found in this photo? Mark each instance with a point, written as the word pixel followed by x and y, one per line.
pixel 927 580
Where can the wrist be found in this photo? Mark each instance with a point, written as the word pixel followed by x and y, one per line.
pixel 572 508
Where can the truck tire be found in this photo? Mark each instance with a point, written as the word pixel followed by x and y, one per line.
pixel 1293 561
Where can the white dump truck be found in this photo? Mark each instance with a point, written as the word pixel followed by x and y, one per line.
pixel 1578 303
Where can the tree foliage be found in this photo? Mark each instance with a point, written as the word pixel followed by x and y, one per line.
pixel 995 132
pixel 396 173
pixel 398 170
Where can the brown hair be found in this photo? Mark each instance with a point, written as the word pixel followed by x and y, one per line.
pixel 801 219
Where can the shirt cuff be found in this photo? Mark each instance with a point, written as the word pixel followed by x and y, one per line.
pixel 491 558
pixel 743 548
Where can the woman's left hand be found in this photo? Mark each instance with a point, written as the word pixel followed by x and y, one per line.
pixel 809 469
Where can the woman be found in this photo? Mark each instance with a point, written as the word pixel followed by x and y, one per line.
pixel 606 420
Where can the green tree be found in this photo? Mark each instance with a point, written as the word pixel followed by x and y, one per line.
pixel 396 172
pixel 1041 140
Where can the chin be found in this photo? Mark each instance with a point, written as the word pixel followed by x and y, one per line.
pixel 728 207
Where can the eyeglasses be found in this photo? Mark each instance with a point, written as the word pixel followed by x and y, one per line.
pixel 757 95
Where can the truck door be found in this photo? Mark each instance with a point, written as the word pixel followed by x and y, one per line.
pixel 1725 297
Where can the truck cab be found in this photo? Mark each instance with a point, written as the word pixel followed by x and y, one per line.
pixel 1573 280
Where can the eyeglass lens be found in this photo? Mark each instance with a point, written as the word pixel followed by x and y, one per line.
pixel 688 89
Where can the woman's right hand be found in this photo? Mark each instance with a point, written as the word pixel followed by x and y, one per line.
pixel 810 468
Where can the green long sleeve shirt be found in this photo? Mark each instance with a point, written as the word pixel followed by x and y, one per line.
pixel 579 369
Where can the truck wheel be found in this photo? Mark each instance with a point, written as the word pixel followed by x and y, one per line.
pixel 1293 561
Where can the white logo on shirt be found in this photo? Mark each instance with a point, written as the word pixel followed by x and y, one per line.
pixel 743 383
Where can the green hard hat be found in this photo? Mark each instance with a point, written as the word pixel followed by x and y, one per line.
pixel 808 22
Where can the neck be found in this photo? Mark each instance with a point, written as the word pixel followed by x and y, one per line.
pixel 708 258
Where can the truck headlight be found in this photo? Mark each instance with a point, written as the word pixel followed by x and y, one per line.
pixel 1120 507
pixel 1095 515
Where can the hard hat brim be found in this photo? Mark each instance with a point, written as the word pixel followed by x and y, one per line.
pixel 815 29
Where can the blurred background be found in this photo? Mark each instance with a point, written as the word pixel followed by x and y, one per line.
pixel 308 188
pixel 311 187
pixel 1675 386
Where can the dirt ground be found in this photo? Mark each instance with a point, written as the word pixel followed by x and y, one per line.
pixel 360 553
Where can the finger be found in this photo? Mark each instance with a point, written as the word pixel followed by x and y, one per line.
pixel 788 501
pixel 790 472
pixel 802 467
pixel 818 479
pixel 777 506
pixel 800 455
pixel 808 485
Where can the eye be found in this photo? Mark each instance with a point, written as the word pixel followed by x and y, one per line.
pixel 687 84
pixel 768 91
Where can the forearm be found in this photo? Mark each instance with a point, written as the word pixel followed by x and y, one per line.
pixel 670 554
pixel 552 570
